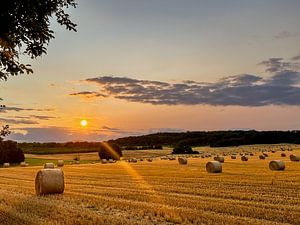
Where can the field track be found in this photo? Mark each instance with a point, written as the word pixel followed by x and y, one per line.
pixel 160 192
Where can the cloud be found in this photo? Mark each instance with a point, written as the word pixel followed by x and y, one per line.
pixel 43 117
pixel 242 90
pixel 19 109
pixel 88 94
pixel 21 121
pixel 286 34
pixel 274 65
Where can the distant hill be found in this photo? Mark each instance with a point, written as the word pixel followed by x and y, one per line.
pixel 212 138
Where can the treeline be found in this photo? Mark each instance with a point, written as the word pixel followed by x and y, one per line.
pixel 212 138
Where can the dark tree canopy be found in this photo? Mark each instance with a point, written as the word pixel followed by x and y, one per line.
pixel 9 152
pixel 25 30
pixel 110 150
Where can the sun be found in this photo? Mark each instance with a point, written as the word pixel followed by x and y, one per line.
pixel 83 123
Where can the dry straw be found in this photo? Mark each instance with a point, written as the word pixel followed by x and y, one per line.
pixel 182 160
pixel 60 163
pixel 214 167
pixel 49 181
pixel 277 165
pixel 49 165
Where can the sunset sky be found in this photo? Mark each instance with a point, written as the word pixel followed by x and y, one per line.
pixel 143 66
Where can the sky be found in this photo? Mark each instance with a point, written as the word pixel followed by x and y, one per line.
pixel 138 66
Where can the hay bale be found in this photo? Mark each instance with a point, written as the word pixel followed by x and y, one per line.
pixel 171 158
pixel 244 158
pixel 233 157
pixel 214 167
pixel 251 154
pixel 219 159
pixel 262 157
pixel 149 160
pixel 182 161
pixel 283 155
pixel 60 163
pixel 111 161
pixel 6 165
pixel 49 181
pixel 49 165
pixel 104 161
pixel 294 158
pixel 276 165
pixel 133 160
pixel 77 162
pixel 265 154
pixel 23 164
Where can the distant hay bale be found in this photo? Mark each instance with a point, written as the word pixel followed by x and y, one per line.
pixel 273 151
pixel 103 161
pixel 60 163
pixel 277 165
pixel 77 162
pixel 233 157
pixel 182 160
pixel 6 165
pixel 149 160
pixel 23 164
pixel 49 165
pixel 49 181
pixel 133 160
pixel 219 159
pixel 251 154
pixel 111 161
pixel 294 158
pixel 214 167
pixel 171 158
pixel 262 157
pixel 244 158
pixel 265 154
pixel 283 155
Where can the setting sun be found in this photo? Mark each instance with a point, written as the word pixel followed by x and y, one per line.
pixel 83 123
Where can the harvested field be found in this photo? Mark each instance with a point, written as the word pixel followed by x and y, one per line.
pixel 161 192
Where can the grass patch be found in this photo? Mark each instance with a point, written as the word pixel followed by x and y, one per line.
pixel 40 162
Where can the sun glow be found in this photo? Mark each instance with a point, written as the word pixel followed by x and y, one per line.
pixel 83 123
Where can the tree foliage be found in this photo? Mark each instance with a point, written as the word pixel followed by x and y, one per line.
pixel 110 150
pixel 9 152
pixel 25 30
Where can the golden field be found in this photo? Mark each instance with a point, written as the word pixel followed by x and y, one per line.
pixel 158 192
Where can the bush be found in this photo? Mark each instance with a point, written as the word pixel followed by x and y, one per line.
pixel 110 150
pixel 183 149
pixel 9 152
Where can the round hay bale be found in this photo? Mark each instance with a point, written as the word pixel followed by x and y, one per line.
pixel 273 151
pixel 23 164
pixel 283 155
pixel 276 165
pixel 149 160
pixel 111 161
pixel 171 158
pixel 103 161
pixel 265 154
pixel 133 160
pixel 244 158
pixel 49 165
pixel 219 159
pixel 6 165
pixel 251 154
pixel 182 161
pixel 60 163
pixel 214 167
pixel 77 162
pixel 294 158
pixel 262 157
pixel 233 157
pixel 49 181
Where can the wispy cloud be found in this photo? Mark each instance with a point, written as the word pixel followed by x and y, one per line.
pixel 286 34
pixel 19 109
pixel 18 121
pixel 88 94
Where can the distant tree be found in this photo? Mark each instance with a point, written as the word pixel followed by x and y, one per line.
pixel 25 30
pixel 9 152
pixel 110 150
pixel 182 149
